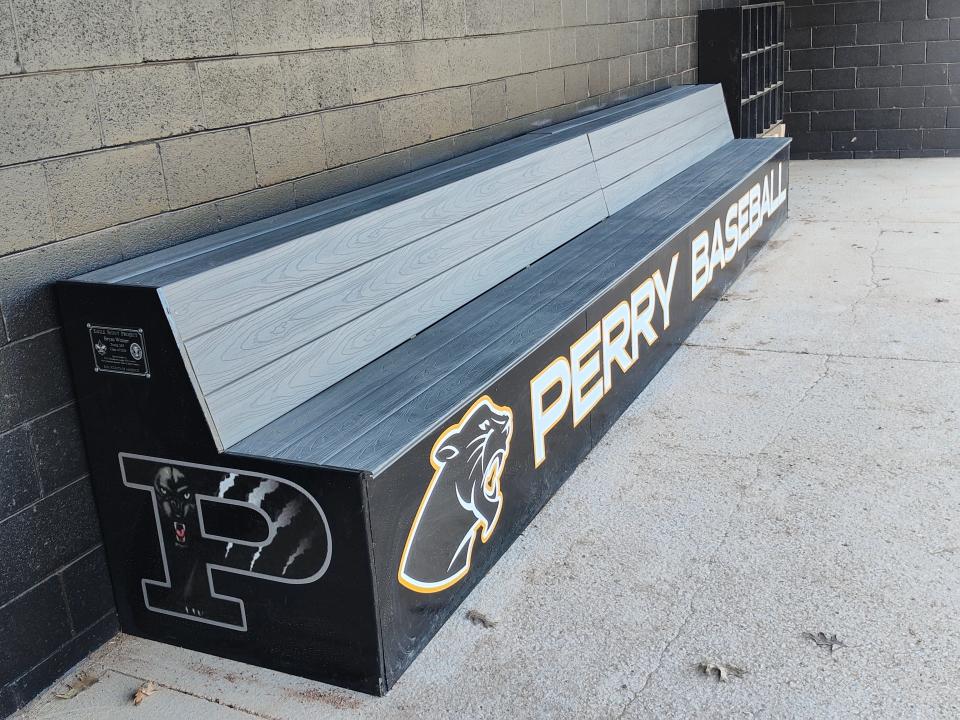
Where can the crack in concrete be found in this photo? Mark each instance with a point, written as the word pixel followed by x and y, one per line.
pixel 215 701
pixel 841 356
pixel 760 456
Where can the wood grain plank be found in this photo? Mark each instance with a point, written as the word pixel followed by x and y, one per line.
pixel 413 363
pixel 209 299
pixel 239 347
pixel 614 138
pixel 625 191
pixel 632 158
pixel 251 402
pixel 397 430
pixel 345 411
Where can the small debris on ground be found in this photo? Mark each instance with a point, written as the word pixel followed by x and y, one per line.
pixel 722 671
pixel 478 618
pixel 144 691
pixel 76 686
pixel 824 640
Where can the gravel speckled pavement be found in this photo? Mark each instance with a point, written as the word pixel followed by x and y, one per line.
pixel 794 469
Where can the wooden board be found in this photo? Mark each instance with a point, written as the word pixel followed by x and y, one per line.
pixel 255 399
pixel 380 389
pixel 255 339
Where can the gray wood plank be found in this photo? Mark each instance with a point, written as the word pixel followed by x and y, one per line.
pixel 251 402
pixel 631 158
pixel 398 430
pixel 614 138
pixel 411 363
pixel 332 419
pixel 206 300
pixel 241 346
pixel 627 190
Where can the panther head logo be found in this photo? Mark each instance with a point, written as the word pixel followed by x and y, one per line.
pixel 463 496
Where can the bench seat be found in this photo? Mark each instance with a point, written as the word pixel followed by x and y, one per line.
pixel 371 417
pixel 311 436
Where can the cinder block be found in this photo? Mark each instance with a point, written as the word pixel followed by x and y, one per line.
pixel 946 51
pixel 882 76
pixel 598 77
pixel 943 9
pixel 24 212
pixel 588 43
pixel 920 30
pixel 926 117
pixel 903 10
pixel 58 449
pixel 654 70
pixel 521 95
pixel 574 12
pixel 549 88
pixel 171 29
pixel 416 119
pixel 618 11
pixel 855 56
pixel 207 166
pixel 860 99
pixel 9 52
pixel 287 149
pixel 271 26
pixel 484 58
pixel 619 72
pixel 878 32
pixel 489 103
pixel 148 101
pixel 857 12
pixel 341 22
pixel 637 10
pixel 481 16
pixel 563 47
pixel 375 72
pixel 241 90
pixel 315 80
pixel 535 51
pixel 57 34
pixel 425 66
pixel 395 20
pixel 941 95
pixel 517 15
pixel 877 119
pixel 449 111
pixel 668 61
pixel 629 38
pixel 47 115
pixel 598 11
pixel 575 83
pixel 96 190
pixel 661 33
pixel 549 13
pixel 442 18
pixel 925 74
pixel 352 134
pixel 608 40
pixel 21 484
pixel 645 36
pixel 638 68
pixel 903 53
pixel 675 32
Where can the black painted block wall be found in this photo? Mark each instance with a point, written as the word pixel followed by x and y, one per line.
pixel 873 78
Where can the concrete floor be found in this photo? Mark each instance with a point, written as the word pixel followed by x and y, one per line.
pixel 793 469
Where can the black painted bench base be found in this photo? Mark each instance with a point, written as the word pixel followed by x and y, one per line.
pixel 275 552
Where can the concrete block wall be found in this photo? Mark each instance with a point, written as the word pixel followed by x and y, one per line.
pixel 873 78
pixel 131 125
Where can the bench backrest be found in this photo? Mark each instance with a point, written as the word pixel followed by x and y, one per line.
pixel 270 315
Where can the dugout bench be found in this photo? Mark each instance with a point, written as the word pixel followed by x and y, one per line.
pixel 312 435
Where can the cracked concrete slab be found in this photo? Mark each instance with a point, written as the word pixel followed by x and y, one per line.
pixel 792 469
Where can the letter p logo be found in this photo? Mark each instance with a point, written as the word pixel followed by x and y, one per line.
pixel 256 525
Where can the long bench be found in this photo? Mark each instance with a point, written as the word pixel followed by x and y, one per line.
pixel 312 435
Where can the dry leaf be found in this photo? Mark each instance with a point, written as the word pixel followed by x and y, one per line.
pixel 478 618
pixel 721 670
pixel 824 640
pixel 76 686
pixel 144 691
